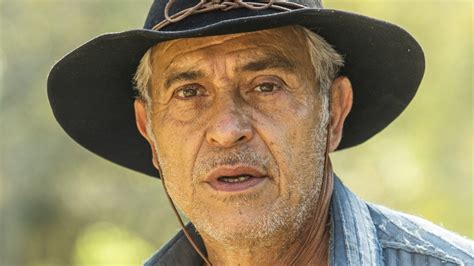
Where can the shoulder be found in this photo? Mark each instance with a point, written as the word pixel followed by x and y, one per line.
pixel 407 239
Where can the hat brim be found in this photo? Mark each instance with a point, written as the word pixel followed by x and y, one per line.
pixel 91 91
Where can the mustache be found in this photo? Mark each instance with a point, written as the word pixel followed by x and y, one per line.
pixel 241 156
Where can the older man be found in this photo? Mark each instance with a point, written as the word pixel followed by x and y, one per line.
pixel 240 124
pixel 240 104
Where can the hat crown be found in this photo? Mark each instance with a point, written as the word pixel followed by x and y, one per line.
pixel 157 12
pixel 308 3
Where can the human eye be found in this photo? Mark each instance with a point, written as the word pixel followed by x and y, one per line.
pixel 266 87
pixel 189 91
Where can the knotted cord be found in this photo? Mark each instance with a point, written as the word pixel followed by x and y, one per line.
pixel 223 5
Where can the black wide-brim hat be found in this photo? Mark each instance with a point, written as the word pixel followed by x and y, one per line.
pixel 91 89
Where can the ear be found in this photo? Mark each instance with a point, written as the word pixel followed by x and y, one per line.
pixel 341 104
pixel 141 120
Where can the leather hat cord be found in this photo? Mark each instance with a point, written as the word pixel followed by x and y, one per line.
pixel 211 5
pixel 185 230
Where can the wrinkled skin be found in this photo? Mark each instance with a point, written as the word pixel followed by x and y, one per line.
pixel 267 116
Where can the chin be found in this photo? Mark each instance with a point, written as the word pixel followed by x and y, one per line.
pixel 252 225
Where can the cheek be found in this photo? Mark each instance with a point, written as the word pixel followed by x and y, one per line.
pixel 176 165
pixel 288 128
pixel 178 144
pixel 185 113
pixel 175 149
pixel 290 119
pixel 178 130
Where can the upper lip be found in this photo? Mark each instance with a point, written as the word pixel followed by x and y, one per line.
pixel 233 170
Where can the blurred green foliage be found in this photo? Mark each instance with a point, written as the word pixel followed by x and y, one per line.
pixel 61 205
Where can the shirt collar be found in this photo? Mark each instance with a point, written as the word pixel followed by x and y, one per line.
pixel 353 236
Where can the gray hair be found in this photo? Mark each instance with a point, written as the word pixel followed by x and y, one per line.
pixel 326 63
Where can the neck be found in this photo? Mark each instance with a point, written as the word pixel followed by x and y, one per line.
pixel 310 246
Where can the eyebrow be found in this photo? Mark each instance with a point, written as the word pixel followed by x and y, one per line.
pixel 270 60
pixel 183 76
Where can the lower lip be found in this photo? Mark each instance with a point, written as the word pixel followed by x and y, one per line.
pixel 237 186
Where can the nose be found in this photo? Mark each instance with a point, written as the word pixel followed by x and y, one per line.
pixel 230 126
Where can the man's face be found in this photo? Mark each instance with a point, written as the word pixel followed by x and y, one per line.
pixel 237 125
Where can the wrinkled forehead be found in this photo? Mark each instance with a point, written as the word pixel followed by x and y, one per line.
pixel 285 41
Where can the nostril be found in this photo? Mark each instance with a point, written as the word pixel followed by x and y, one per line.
pixel 241 138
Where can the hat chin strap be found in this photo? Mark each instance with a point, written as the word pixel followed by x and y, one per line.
pixel 223 5
pixel 327 184
pixel 185 230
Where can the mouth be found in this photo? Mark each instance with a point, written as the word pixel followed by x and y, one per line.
pixel 235 178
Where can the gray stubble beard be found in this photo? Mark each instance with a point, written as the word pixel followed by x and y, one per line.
pixel 281 217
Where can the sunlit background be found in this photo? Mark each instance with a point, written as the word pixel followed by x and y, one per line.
pixel 61 205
